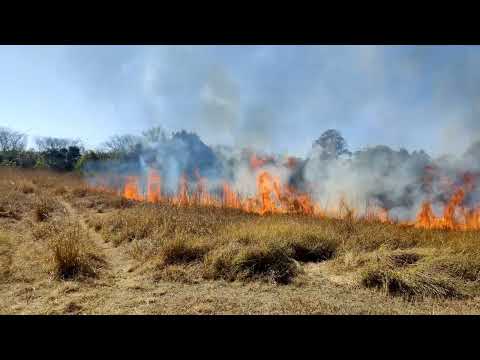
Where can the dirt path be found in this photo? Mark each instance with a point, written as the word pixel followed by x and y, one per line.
pixel 118 264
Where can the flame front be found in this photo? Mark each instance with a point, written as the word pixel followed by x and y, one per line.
pixel 455 216
pixel 131 189
pixel 273 197
pixel 154 187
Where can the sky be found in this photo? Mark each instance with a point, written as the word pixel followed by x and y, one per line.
pixel 276 98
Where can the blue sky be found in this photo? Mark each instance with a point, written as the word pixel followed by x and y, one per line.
pixel 279 98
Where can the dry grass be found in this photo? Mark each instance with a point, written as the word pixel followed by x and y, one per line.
pixel 6 256
pixel 266 262
pixel 80 191
pixel 73 253
pixel 60 190
pixel 13 204
pixel 44 207
pixel 211 260
pixel 236 246
pixel 410 283
pixel 45 230
pixel 26 187
pixel 182 250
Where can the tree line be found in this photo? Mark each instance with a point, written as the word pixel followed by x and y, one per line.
pixel 63 154
pixel 48 153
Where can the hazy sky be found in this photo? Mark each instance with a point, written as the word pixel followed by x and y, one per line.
pixel 280 98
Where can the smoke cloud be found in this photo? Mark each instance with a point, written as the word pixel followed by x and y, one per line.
pixel 278 99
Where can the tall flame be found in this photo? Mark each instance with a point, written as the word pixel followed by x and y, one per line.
pixel 131 189
pixel 274 197
pixel 154 186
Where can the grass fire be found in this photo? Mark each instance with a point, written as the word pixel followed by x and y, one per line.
pixel 242 180
pixel 128 234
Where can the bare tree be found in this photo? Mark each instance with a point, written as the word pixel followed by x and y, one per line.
pixel 12 140
pixel 154 135
pixel 124 144
pixel 51 143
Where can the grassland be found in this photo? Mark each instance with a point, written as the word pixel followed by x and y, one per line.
pixel 65 249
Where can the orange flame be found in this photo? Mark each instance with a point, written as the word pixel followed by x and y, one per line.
pixel 273 197
pixel 131 188
pixel 454 216
pixel 154 186
pixel 256 162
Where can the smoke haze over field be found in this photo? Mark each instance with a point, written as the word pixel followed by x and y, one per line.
pixel 389 102
pixel 277 98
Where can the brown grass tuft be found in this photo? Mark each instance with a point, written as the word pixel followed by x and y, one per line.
pixel 313 249
pixel 6 256
pixel 184 273
pixel 267 262
pixel 73 255
pixel 44 207
pixel 60 190
pixel 26 187
pixel 45 230
pixel 180 250
pixel 404 259
pixel 80 191
pixel 410 284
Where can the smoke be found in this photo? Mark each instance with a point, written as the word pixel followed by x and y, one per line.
pixel 378 175
pixel 278 99
pixel 395 180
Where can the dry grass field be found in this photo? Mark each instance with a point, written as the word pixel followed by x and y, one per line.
pixel 66 249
